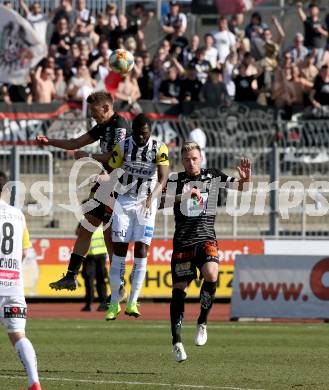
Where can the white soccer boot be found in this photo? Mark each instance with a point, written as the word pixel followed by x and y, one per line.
pixel 201 335
pixel 179 352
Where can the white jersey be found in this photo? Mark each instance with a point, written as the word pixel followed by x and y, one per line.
pixel 14 237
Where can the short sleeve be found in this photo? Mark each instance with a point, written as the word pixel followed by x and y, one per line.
pixel 116 159
pixel 162 156
pixel 26 239
pixel 94 133
pixel 120 130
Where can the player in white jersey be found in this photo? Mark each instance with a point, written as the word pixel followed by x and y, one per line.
pixel 14 242
pixel 145 164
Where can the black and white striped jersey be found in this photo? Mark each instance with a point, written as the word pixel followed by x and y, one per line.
pixel 194 221
pixel 139 164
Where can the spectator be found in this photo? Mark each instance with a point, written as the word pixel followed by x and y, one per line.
pixel 146 79
pixel 312 29
pixel 283 93
pixel 102 71
pixel 254 32
pixel 319 95
pixel 161 64
pixel 245 88
pixel 121 31
pixel 102 50
pixel 81 86
pixel 111 13
pixel 201 65
pixel 190 86
pixel 35 16
pixel 81 32
pixel 228 69
pixel 235 24
pixel 65 10
pixel 178 43
pixel 43 86
pixel 170 88
pixel 128 90
pixel 199 136
pixel 301 87
pixel 138 19
pixel 308 69
pixel 102 28
pixel 298 50
pixel 60 84
pixel 214 91
pixel 189 52
pixel 225 41
pixel 61 37
pixel 174 20
pixel 84 14
pixel 211 53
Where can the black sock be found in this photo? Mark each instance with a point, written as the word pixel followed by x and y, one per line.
pixel 74 265
pixel 207 296
pixel 177 314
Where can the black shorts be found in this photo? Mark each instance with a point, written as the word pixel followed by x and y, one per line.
pixel 102 211
pixel 184 263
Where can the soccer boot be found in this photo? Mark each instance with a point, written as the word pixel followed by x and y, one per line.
pixel 113 311
pixel 66 283
pixel 201 335
pixel 179 352
pixel 132 309
pixel 35 386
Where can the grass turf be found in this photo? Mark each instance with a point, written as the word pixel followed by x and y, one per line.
pixel 82 354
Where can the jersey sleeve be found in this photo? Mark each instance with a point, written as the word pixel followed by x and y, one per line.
pixel 121 130
pixel 116 159
pixel 26 238
pixel 94 133
pixel 162 156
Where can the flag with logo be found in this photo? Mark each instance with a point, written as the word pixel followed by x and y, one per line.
pixel 20 47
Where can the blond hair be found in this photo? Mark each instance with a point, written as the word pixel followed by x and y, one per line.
pixel 188 146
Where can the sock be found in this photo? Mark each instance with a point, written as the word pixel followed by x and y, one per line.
pixel 177 314
pixel 117 271
pixel 137 278
pixel 28 358
pixel 74 265
pixel 207 296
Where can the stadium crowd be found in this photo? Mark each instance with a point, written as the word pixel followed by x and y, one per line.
pixel 242 60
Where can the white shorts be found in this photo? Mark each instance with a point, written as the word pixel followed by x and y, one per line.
pixel 13 313
pixel 130 223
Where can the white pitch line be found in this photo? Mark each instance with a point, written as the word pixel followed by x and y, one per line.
pixel 100 382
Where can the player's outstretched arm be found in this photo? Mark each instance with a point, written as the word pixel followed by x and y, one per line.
pixel 163 173
pixel 67 144
pixel 244 170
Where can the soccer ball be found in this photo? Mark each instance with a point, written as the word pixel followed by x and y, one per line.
pixel 121 61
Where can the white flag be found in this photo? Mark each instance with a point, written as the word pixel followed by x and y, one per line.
pixel 20 47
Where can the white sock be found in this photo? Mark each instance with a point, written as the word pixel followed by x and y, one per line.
pixel 117 271
pixel 28 358
pixel 137 278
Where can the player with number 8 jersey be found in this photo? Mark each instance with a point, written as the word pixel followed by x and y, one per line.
pixel 14 241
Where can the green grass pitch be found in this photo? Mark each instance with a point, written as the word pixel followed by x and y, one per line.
pixel 82 354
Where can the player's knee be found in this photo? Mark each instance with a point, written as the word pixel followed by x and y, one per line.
pixel 178 294
pixel 140 250
pixel 210 272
